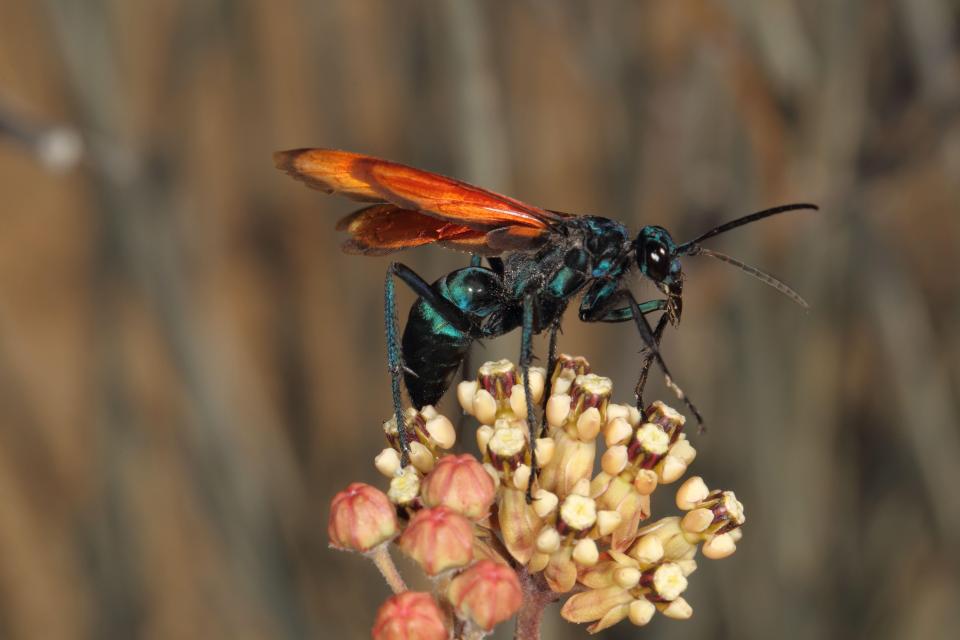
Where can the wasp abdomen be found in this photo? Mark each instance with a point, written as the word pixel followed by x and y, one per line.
pixel 433 345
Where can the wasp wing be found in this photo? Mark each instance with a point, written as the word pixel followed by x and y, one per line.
pixel 385 228
pixel 370 179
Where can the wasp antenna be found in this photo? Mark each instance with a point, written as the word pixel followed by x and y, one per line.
pixel 688 247
pixel 762 276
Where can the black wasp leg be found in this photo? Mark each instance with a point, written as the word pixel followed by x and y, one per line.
pixel 526 356
pixel 646 333
pixel 551 364
pixel 444 307
pixel 648 360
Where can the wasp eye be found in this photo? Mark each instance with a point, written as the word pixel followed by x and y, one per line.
pixel 657 262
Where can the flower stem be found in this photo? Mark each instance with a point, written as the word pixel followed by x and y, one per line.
pixel 381 557
pixel 536 596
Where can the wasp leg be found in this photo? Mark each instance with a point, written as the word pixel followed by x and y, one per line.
pixel 444 307
pixel 551 364
pixel 646 333
pixel 648 361
pixel 526 356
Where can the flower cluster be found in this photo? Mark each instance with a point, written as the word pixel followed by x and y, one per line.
pixel 499 539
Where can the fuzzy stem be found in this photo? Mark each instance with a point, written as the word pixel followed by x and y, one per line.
pixel 536 596
pixel 381 557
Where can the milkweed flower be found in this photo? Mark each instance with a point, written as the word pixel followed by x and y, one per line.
pixel 499 539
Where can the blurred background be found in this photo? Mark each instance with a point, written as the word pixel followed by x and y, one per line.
pixel 190 368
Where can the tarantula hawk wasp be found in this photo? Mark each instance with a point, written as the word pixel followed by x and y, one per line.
pixel 538 261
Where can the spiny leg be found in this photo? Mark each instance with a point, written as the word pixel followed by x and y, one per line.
pixel 526 356
pixel 447 310
pixel 648 361
pixel 394 362
pixel 646 333
pixel 551 364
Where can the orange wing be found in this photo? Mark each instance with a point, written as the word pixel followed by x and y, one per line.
pixel 384 228
pixel 372 180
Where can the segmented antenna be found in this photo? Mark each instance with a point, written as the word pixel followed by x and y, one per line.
pixel 690 245
pixel 762 276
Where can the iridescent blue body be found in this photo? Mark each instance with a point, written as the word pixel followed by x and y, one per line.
pixel 588 255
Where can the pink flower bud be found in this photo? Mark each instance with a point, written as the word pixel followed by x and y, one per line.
pixel 462 484
pixel 486 594
pixel 410 616
pixel 361 517
pixel 438 539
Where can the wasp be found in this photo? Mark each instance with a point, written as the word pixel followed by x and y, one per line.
pixel 537 262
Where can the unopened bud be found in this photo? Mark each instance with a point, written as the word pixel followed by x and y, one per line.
pixel 486 594
pixel 462 484
pixel 361 518
pixel 438 539
pixel 410 616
